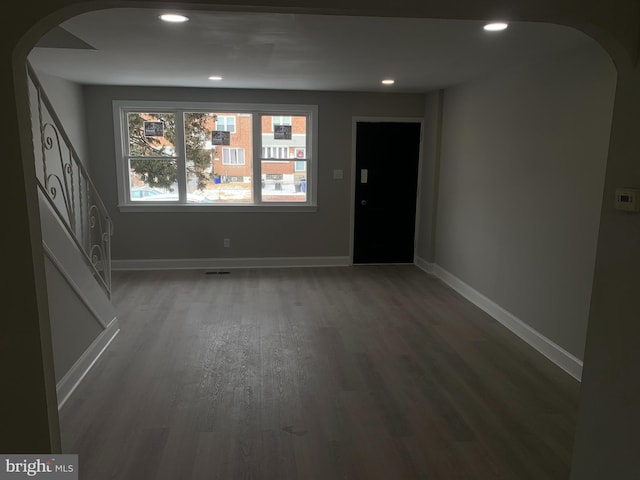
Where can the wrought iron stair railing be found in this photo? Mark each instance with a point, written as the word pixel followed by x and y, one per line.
pixel 67 186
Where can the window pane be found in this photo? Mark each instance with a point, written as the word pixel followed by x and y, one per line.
pixel 232 156
pixel 280 120
pixel 153 180
pixel 283 182
pixel 283 137
pixel 226 123
pixel 219 171
pixel 276 152
pixel 151 134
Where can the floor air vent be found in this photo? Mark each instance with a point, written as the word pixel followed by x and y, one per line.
pixel 217 273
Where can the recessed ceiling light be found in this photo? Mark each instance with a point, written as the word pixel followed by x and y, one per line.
pixel 173 18
pixel 388 81
pixel 495 26
pixel 215 77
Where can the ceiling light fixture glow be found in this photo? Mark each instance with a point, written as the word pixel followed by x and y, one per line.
pixel 215 77
pixel 388 81
pixel 173 18
pixel 496 26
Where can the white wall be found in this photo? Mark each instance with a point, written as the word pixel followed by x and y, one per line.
pixel 79 308
pixel 73 327
pixel 429 177
pixel 520 189
pixel 188 235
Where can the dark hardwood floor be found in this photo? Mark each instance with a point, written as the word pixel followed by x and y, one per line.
pixel 315 373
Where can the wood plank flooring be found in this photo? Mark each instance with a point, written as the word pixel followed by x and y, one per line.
pixel 316 373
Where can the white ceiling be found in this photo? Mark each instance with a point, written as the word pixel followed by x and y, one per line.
pixel 293 51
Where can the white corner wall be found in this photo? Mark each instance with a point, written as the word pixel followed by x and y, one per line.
pixel 520 186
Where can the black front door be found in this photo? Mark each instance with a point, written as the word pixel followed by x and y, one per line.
pixel 387 156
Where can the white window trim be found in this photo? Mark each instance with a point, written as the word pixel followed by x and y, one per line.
pixel 122 107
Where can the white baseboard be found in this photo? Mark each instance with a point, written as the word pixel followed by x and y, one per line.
pixel 422 264
pixel 213 263
pixel 554 352
pixel 77 372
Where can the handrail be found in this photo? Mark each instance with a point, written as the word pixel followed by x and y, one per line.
pixel 66 184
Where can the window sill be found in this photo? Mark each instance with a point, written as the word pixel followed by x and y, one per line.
pixel 235 208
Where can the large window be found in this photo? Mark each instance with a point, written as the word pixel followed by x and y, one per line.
pixel 174 156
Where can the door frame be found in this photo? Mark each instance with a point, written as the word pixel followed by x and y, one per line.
pixel 354 177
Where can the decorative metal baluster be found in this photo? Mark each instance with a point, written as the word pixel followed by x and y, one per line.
pixel 83 235
pixel 107 239
pixel 85 216
pixel 41 128
pixel 73 194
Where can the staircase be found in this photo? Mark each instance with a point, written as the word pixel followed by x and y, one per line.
pixel 76 239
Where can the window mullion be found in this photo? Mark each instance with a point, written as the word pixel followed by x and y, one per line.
pixel 256 133
pixel 182 156
pixel 311 152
